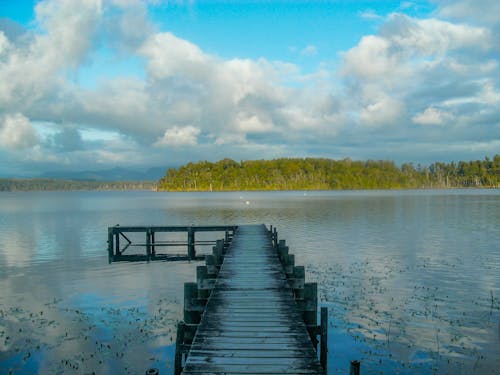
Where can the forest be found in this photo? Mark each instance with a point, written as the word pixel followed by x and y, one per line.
pixel 328 174
pixel 48 184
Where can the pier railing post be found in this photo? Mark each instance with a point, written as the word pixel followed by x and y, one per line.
pixel 191 249
pixel 110 244
pixel 153 249
pixel 148 244
pixel 323 357
pixel 117 240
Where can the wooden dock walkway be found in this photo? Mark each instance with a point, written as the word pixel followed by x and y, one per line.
pixel 253 320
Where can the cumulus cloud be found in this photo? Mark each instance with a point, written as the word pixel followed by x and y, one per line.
pixel 252 124
pixel 34 70
pixel 168 55
pixel 432 116
pixel 386 111
pixel 4 43
pixel 478 11
pixel 179 136
pixel 433 36
pixel 417 66
pixel 17 133
pixel 440 72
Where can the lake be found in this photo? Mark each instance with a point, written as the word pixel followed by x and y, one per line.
pixel 411 278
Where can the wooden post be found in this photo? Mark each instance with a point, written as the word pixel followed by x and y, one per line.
pixel 299 274
pixel 311 299
pixel 355 368
pixel 153 250
pixel 179 344
pixel 211 265
pixel 283 253
pixel 323 357
pixel 148 244
pixel 202 275
pixel 191 249
pixel 190 292
pixel 110 244
pixel 218 251
pixel 290 264
pixel 117 242
pixel 281 248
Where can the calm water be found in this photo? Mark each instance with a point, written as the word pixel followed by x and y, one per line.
pixel 411 278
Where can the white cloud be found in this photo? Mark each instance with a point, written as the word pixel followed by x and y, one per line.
pixel 370 15
pixel 179 136
pixel 370 58
pixel 385 111
pixel 432 116
pixel 69 32
pixel 231 139
pixel 16 132
pixel 479 11
pixel 489 95
pixel 252 124
pixel 34 70
pixel 309 50
pixel 168 55
pixel 423 71
pixel 4 43
pixel 432 36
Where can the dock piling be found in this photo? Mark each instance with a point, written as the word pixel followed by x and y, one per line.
pixel 355 368
pixel 323 357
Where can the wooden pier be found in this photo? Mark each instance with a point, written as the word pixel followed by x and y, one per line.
pixel 120 244
pixel 251 312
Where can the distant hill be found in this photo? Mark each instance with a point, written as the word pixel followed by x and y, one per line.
pixel 113 174
pixel 48 184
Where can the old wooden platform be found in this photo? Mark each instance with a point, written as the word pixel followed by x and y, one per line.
pixel 252 322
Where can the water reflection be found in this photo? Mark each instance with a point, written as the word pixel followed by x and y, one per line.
pixel 410 278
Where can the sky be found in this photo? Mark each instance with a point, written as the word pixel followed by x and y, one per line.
pixel 97 84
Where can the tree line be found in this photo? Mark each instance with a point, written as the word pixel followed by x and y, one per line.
pixel 328 174
pixel 48 184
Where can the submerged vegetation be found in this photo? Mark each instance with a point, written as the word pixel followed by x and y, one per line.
pixel 328 174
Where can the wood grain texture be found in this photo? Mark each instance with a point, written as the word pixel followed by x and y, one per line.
pixel 251 324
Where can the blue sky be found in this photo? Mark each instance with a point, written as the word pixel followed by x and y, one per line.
pixel 95 84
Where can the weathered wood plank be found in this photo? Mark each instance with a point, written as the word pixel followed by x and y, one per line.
pixel 251 323
pixel 251 368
